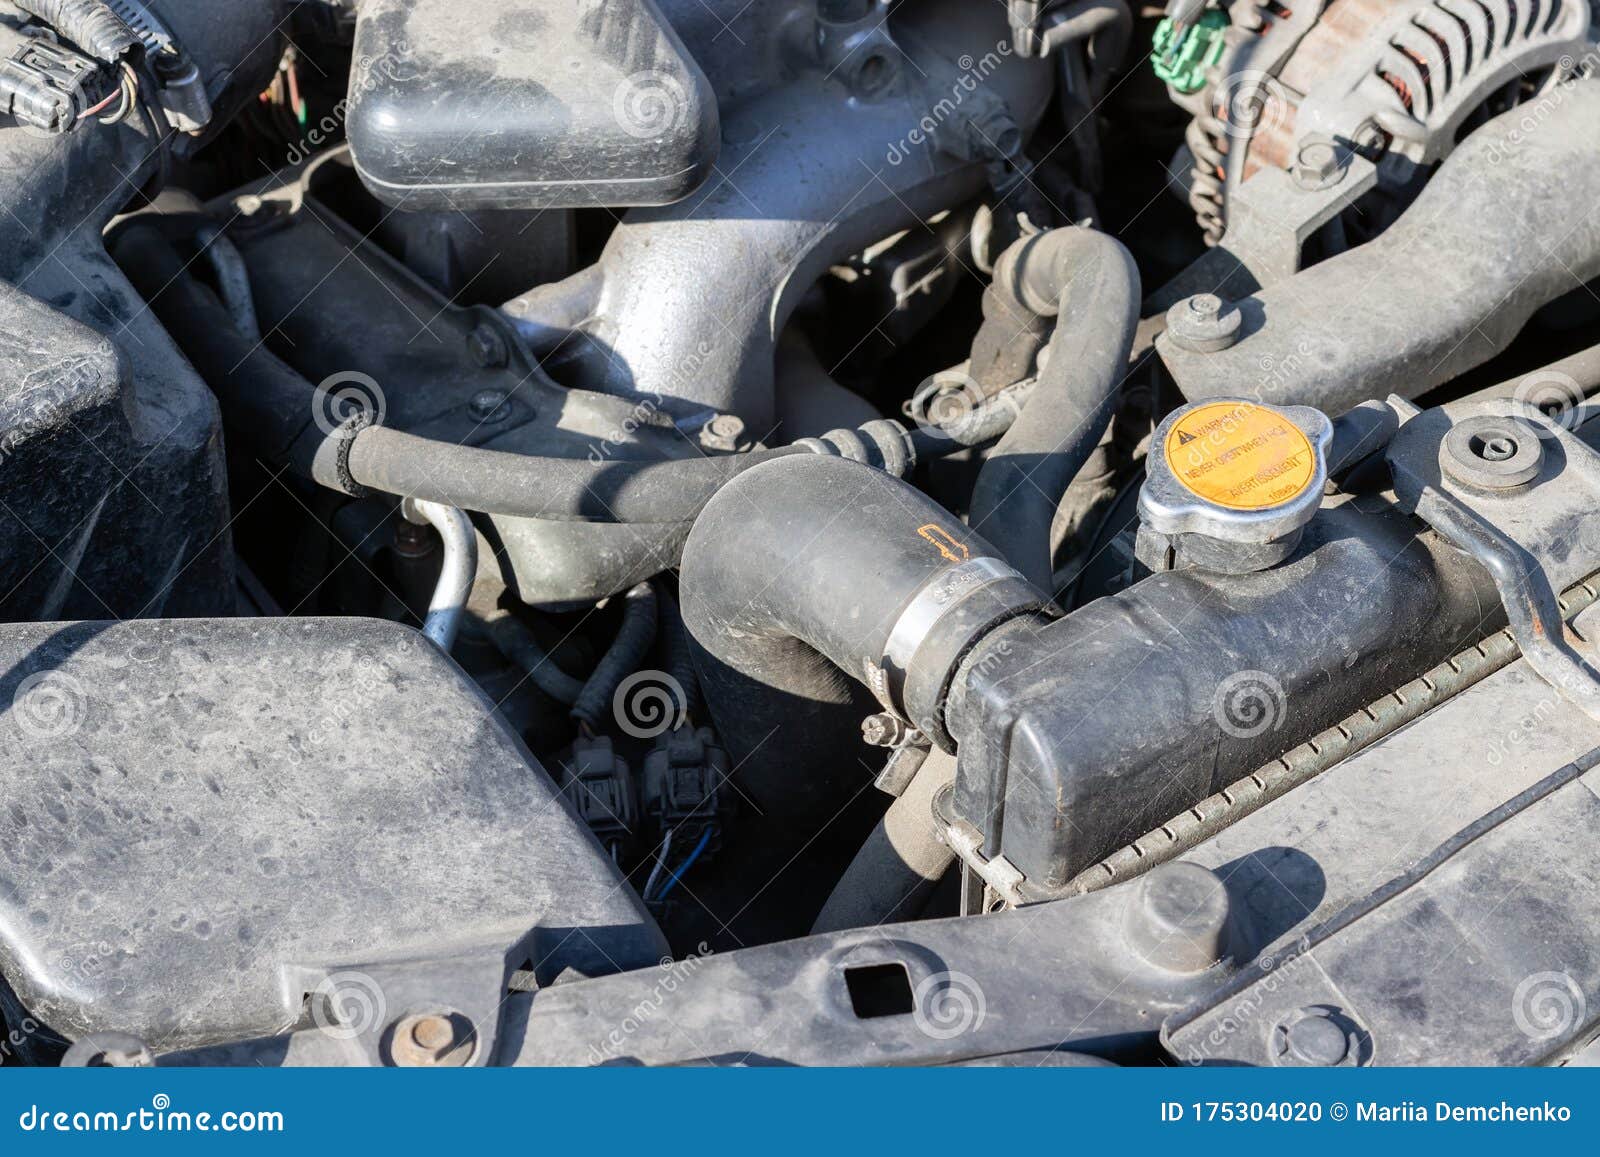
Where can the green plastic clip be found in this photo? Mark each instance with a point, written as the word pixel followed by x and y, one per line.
pixel 1183 57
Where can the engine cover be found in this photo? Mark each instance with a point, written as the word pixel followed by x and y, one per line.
pixel 203 820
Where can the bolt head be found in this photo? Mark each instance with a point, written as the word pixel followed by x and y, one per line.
pixel 723 432
pixel 432 1040
pixel 1204 323
pixel 882 730
pixel 1319 165
pixel 432 1032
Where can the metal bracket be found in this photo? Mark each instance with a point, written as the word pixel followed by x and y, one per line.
pixel 1520 493
pixel 1273 214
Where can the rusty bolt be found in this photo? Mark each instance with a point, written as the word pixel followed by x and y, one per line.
pixel 432 1040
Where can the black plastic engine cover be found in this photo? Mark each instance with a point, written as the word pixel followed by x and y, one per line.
pixel 527 104
pixel 197 819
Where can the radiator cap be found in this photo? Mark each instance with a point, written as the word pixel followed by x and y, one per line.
pixel 1230 485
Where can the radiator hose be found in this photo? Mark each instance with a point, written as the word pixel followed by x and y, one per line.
pixel 1089 283
pixel 800 576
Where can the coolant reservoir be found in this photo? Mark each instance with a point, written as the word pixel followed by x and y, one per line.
pixel 1231 484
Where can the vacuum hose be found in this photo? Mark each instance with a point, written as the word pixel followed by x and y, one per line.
pixel 1089 283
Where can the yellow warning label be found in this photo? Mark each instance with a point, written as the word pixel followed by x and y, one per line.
pixel 1241 455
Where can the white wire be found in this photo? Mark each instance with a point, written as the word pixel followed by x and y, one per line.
pixel 661 860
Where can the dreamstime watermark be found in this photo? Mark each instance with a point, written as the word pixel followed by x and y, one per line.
pixel 1548 1006
pixel 947 1005
pixel 344 396
pixel 49 705
pixel 159 1117
pixel 1557 396
pixel 360 688
pixel 1249 703
pixel 365 77
pixel 1275 969
pixel 974 73
pixel 1249 102
pixel 651 104
pixel 674 974
pixel 1531 117
pixel 348 1004
pixel 649 703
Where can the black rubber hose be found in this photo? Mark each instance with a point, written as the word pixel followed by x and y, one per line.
pixel 900 863
pixel 556 489
pixel 261 398
pixel 271 404
pixel 679 650
pixel 793 582
pixel 634 639
pixel 90 24
pixel 1089 282
pixel 796 576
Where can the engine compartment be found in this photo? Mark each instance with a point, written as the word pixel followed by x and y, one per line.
pixel 909 533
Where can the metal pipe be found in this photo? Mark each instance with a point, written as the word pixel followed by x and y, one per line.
pixel 455 575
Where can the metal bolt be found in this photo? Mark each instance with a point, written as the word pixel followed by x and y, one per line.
pixel 1319 165
pixel 884 730
pixel 489 406
pixel 432 1040
pixel 723 432
pixel 488 348
pixel 1318 1041
pixel 1204 324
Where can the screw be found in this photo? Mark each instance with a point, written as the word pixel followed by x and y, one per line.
pixel 1319 165
pixel 723 432
pixel 884 730
pixel 432 1039
pixel 1204 324
pixel 488 348
pixel 489 406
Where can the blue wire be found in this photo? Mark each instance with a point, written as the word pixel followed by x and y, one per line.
pixel 705 838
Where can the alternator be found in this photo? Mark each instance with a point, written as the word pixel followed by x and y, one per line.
pixel 1399 82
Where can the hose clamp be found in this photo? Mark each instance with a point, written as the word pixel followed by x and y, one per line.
pixel 948 614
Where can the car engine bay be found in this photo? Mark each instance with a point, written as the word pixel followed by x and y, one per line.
pixel 825 532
